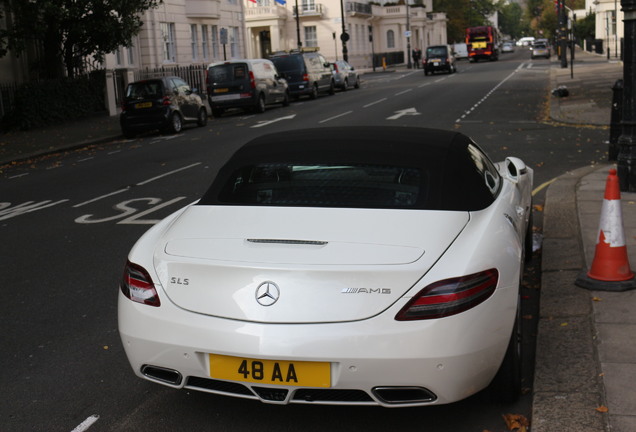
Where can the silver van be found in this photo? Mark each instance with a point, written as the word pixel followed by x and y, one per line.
pixel 247 83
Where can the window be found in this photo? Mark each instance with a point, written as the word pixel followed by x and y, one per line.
pixel 205 50
pixel 118 56
pixel 194 41
pixel 234 42
pixel 311 36
pixel 390 39
pixel 309 6
pixel 324 185
pixel 215 42
pixel 131 55
pixel 169 48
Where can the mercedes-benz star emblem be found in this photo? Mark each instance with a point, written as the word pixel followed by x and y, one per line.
pixel 267 293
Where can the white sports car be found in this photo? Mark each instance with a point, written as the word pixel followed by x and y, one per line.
pixel 356 265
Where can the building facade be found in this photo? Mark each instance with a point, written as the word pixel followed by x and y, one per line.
pixel 373 30
pixel 609 24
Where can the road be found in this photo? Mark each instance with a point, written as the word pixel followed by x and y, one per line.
pixel 67 222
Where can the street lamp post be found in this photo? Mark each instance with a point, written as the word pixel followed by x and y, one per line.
pixel 626 160
pixel 298 27
pixel 344 37
pixel 408 36
pixel 563 34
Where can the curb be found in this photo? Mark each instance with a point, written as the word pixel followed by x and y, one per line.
pixel 567 383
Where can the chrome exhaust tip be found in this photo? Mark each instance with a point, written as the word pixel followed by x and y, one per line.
pixel 403 395
pixel 161 374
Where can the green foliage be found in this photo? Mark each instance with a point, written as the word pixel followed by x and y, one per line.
pixel 69 31
pixel 585 28
pixel 462 14
pixel 48 102
pixel 511 19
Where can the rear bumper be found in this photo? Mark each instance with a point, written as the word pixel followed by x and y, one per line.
pixel 450 358
pixel 232 101
pixel 145 121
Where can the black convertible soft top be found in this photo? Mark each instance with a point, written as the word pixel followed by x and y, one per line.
pixel 446 170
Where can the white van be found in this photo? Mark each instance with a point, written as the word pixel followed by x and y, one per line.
pixel 460 50
pixel 525 41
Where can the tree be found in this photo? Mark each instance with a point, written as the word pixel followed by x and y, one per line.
pixel 462 14
pixel 511 19
pixel 68 32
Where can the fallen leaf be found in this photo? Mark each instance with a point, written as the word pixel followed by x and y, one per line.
pixel 527 317
pixel 602 409
pixel 516 422
pixel 538 207
pixel 105 347
pixel 596 299
pixel 564 324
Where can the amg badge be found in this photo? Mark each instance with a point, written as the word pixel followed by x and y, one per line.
pixel 366 291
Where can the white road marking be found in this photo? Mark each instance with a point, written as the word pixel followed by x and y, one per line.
pixel 268 122
pixel 6 211
pixel 474 107
pixel 404 91
pixel 335 117
pixel 373 103
pixel 407 111
pixel 138 184
pixel 83 426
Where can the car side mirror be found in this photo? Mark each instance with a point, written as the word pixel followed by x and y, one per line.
pixel 515 168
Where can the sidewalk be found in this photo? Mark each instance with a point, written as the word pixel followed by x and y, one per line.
pixel 586 348
pixel 585 372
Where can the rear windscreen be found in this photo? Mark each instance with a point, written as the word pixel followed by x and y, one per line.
pixel 436 52
pixel 358 186
pixel 287 64
pixel 144 90
pixel 227 72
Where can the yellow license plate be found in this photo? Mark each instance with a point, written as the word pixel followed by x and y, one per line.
pixel 143 105
pixel 221 90
pixel 283 372
pixel 479 45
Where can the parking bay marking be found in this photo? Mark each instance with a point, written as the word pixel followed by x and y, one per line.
pixel 268 122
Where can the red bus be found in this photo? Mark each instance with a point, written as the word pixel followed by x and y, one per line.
pixel 482 43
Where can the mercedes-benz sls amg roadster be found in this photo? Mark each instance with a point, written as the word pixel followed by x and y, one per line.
pixel 355 265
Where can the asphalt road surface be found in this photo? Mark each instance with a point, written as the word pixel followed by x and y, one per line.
pixel 67 222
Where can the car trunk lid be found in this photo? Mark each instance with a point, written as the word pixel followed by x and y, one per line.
pixel 318 264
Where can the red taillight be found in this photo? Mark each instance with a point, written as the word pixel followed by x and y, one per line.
pixel 450 296
pixel 252 80
pixel 137 285
pixel 305 77
pixel 166 100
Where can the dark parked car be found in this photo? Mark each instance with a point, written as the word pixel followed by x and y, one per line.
pixel 162 103
pixel 345 75
pixel 307 73
pixel 439 58
pixel 249 84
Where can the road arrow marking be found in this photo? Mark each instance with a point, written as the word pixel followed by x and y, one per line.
pixel 408 111
pixel 268 122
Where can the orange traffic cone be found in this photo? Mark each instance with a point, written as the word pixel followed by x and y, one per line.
pixel 610 267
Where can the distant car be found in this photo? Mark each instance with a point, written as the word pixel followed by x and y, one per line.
pixel 365 265
pixel 540 49
pixel 162 103
pixel 507 47
pixel 345 75
pixel 307 73
pixel 248 83
pixel 439 58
